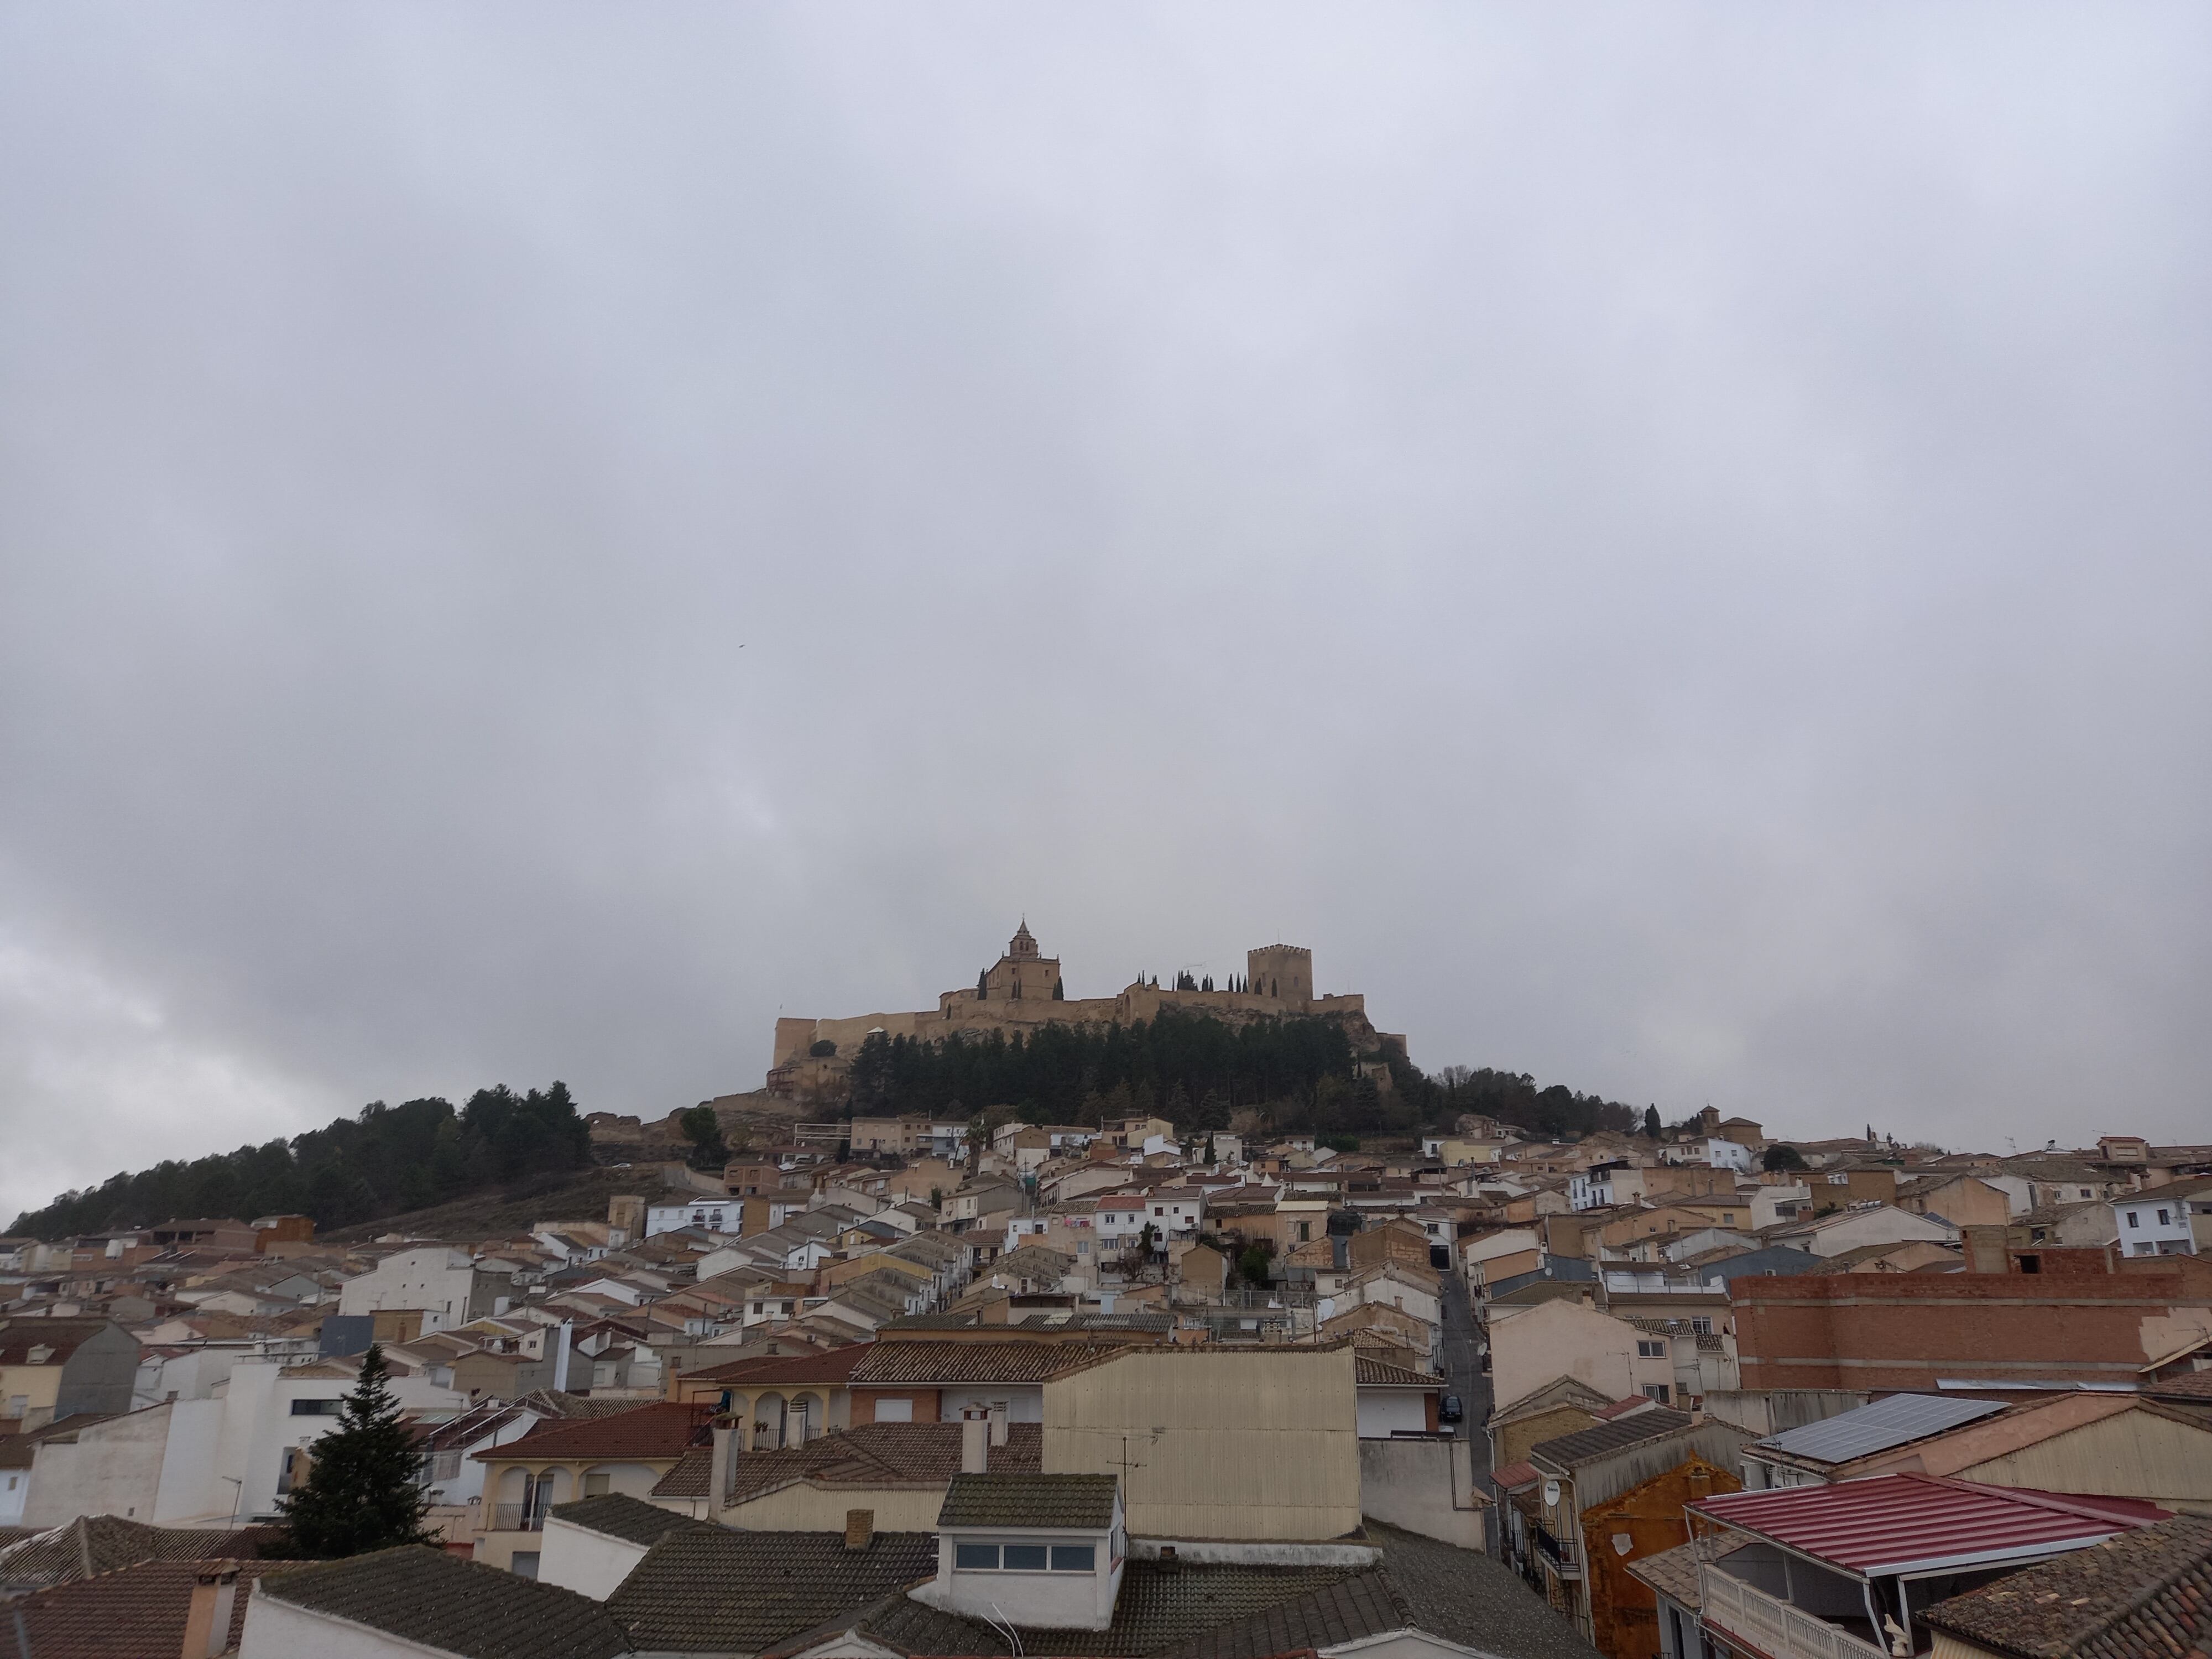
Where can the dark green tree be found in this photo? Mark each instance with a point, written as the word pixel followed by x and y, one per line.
pixel 704 1131
pixel 361 1492
pixel 1253 1264
pixel 982 985
pixel 1059 989
pixel 1651 1123
pixel 1783 1157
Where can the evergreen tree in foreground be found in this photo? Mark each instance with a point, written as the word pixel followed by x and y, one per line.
pixel 360 1493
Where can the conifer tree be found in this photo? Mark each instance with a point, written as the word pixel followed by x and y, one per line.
pixel 1059 989
pixel 360 1493
pixel 1651 1122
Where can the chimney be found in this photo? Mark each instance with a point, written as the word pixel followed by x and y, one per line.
pixel 998 1422
pixel 975 1440
pixel 722 1464
pixel 207 1621
pixel 859 1529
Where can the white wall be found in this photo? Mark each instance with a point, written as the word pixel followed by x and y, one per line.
pixel 590 1563
pixel 15 1487
pixel 1024 1404
pixel 113 1468
pixel 277 1631
pixel 1382 1411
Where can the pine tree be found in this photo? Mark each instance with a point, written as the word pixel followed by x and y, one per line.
pixel 360 1493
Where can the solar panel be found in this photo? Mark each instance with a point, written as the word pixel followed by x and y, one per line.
pixel 1886 1423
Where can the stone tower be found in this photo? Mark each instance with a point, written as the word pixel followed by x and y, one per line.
pixel 1284 972
pixel 1024 973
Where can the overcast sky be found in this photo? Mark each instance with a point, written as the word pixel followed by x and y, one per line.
pixel 1668 543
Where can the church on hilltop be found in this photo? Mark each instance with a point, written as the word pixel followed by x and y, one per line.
pixel 1023 989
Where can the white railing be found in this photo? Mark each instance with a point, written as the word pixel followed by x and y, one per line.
pixel 1771 1625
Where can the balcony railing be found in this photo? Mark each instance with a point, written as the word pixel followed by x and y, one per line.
pixel 1771 1625
pixel 1561 1553
pixel 517 1517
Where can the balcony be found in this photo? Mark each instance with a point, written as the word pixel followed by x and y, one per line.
pixel 1771 1625
pixel 516 1518
pixel 1566 1561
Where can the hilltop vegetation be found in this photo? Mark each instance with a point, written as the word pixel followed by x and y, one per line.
pixel 384 1160
pixel 1297 1073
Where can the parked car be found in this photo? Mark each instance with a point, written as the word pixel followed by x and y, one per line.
pixel 1450 1411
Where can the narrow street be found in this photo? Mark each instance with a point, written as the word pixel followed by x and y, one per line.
pixel 1464 1368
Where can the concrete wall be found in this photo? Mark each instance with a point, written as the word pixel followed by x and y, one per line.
pixel 1222 1444
pixel 808 1508
pixel 1567 1338
pixel 590 1563
pixel 1385 1411
pixel 1425 1486
pixel 112 1468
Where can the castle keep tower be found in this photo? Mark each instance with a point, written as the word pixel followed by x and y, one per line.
pixel 1281 971
pixel 1023 973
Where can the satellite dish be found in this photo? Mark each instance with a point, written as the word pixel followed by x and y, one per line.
pixel 1551 1494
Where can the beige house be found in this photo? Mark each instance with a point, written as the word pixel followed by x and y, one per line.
pixel 627 1451
pixel 1532 1346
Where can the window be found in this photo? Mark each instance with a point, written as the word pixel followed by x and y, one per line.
pixel 895 1411
pixel 1074 1558
pixel 2165 1220
pixel 595 1485
pixel 1655 1391
pixel 316 1408
pixel 1026 1558
pixel 2135 1218
pixel 975 1558
pixel 1647 1350
pixel 1701 1326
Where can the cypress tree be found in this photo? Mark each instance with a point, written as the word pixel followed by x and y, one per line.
pixel 1651 1122
pixel 1059 989
pixel 982 985
pixel 360 1493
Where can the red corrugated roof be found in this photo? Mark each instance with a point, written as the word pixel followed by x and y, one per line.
pixel 1905 1522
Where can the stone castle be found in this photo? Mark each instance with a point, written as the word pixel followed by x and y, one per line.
pixel 1024 990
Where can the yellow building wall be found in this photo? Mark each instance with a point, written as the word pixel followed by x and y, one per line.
pixel 1217 1443
pixel 2132 1454
pixel 805 1508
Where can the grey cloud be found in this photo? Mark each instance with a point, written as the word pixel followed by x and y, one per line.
pixel 1667 546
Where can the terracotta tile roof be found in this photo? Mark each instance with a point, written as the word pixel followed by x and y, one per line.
pixel 426 1596
pixel 880 1454
pixel 2195 1386
pixel 1515 1474
pixel 1371 1373
pixel 18 1336
pixel 2144 1594
pixel 833 1367
pixel 1672 1573
pixel 1030 1500
pixel 132 1613
pixel 932 1364
pixel 104 1543
pixel 714 1589
pixel 687 1476
pixel 642 1433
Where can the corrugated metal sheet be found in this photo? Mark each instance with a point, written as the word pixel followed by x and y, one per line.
pixel 1886 1423
pixel 1906 1522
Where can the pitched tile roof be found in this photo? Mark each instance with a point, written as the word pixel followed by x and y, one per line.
pixel 881 1454
pixel 618 1515
pixel 687 1476
pixel 1238 1612
pixel 711 1588
pixel 132 1613
pixel 1371 1373
pixel 832 1367
pixel 425 1596
pixel 2144 1594
pixel 1030 1500
pixel 1674 1573
pixel 2192 1386
pixel 103 1543
pixel 929 1363
pixel 661 1430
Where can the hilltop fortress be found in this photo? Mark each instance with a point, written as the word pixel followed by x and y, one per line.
pixel 1024 990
